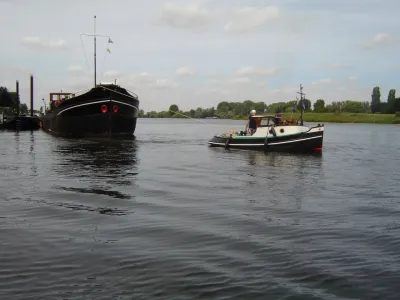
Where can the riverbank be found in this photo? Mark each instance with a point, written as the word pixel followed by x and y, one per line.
pixel 344 118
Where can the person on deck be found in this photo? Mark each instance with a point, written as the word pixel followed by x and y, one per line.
pixel 251 124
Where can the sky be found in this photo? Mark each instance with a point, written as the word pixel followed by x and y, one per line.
pixel 197 53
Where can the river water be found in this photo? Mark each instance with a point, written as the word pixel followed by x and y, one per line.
pixel 166 217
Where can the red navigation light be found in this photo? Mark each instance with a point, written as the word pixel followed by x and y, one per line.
pixel 104 108
pixel 115 108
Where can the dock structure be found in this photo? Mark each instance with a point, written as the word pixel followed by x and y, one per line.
pixel 17 121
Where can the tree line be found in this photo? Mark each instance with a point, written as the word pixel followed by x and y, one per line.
pixel 232 110
pixel 9 99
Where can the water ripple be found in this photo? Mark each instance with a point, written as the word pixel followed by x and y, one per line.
pixel 163 216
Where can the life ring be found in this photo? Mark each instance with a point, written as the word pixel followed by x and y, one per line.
pixel 57 103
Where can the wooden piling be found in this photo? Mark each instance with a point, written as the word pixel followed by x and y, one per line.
pixel 17 92
pixel 31 95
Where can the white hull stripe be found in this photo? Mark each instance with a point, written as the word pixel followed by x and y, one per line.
pixel 294 141
pixel 247 145
pixel 277 143
pixel 96 102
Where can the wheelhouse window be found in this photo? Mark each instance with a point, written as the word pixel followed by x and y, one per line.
pixel 266 122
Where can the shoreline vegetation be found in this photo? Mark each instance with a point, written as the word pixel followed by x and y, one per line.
pixel 348 111
pixel 344 117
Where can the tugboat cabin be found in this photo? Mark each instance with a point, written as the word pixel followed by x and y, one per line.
pixel 273 124
pixel 270 120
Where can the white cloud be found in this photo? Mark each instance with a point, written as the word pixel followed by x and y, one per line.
pixel 36 43
pixel 163 84
pixel 113 74
pixel 381 39
pixel 334 80
pixel 184 71
pixel 190 16
pixel 146 81
pixel 324 80
pixel 239 80
pixel 336 66
pixel 77 69
pixel 250 18
pixel 250 71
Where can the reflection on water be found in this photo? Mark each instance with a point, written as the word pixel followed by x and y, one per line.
pixel 81 219
pixel 281 179
pixel 278 159
pixel 32 153
pixel 114 161
pixel 92 174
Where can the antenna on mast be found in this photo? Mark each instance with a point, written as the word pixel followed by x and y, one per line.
pixel 94 58
pixel 302 104
pixel 95 51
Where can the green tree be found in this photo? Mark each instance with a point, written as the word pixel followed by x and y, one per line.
pixel 397 105
pixel 391 101
pixel 260 107
pixel 353 106
pixel 307 106
pixel 319 105
pixel 273 107
pixel 6 98
pixel 375 100
pixel 366 107
pixel 199 113
pixel 173 108
pixel 223 107
pixel 23 108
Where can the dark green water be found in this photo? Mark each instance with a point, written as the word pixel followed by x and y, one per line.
pixel 166 217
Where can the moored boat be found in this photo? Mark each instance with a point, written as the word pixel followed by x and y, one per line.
pixel 105 110
pixel 274 134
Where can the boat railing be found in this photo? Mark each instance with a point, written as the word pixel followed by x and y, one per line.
pixel 121 91
pixel 136 97
pixel 80 92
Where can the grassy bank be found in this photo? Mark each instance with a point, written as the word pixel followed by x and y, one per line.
pixel 345 118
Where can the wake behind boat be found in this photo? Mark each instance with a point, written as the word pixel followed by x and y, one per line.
pixel 274 134
pixel 105 110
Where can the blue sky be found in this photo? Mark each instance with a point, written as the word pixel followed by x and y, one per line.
pixel 198 53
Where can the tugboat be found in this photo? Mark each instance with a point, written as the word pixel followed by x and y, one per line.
pixel 274 134
pixel 105 110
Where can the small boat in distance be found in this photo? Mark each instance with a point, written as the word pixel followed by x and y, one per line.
pixel 104 110
pixel 273 134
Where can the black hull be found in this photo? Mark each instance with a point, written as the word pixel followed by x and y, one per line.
pixel 98 113
pixel 102 125
pixel 311 142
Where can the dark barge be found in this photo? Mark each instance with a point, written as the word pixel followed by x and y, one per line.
pixel 105 110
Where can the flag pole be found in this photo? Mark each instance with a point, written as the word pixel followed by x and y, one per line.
pixel 302 104
pixel 95 51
